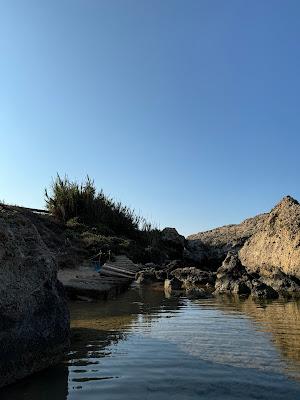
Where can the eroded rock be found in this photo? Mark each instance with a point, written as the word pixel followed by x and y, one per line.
pixel 277 243
pixel 232 277
pixel 34 319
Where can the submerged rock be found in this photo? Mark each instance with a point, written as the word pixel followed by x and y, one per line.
pixel 34 319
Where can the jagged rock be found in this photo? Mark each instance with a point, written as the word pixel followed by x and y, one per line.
pixel 197 293
pixel 172 284
pixel 232 277
pixel 193 276
pixel 262 291
pixel 277 243
pixel 210 248
pixel 34 319
pixel 280 282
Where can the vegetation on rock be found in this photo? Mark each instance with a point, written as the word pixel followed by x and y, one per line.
pixel 98 222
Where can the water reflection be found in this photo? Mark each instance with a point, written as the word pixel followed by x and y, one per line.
pixel 145 345
pixel 280 318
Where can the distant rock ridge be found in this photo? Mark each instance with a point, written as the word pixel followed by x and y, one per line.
pixel 211 247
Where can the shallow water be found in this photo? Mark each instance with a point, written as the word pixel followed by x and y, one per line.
pixel 146 346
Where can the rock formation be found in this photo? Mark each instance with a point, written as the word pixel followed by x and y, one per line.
pixel 232 278
pixel 276 244
pixel 34 319
pixel 210 248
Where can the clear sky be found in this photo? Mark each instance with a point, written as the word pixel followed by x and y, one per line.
pixel 187 110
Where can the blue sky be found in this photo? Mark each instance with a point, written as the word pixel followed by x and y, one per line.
pixel 188 110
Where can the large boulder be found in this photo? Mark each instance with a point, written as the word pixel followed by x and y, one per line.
pixel 210 248
pixel 276 244
pixel 34 319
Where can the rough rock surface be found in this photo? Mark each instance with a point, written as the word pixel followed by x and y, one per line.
pixel 172 284
pixel 276 244
pixel 193 276
pixel 279 281
pixel 232 277
pixel 210 248
pixel 262 291
pixel 34 319
pixel 150 275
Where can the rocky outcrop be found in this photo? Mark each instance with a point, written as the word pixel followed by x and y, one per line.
pixel 276 244
pixel 283 284
pixel 232 277
pixel 262 291
pixel 209 249
pixel 191 276
pixel 34 319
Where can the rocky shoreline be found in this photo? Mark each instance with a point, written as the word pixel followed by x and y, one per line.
pixel 259 257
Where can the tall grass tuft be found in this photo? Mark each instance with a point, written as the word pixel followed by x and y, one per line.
pixel 68 199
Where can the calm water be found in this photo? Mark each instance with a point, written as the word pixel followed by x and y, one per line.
pixel 146 346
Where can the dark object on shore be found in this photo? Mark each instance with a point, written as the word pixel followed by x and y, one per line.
pixel 34 318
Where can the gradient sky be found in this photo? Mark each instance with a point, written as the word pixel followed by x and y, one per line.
pixel 187 110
